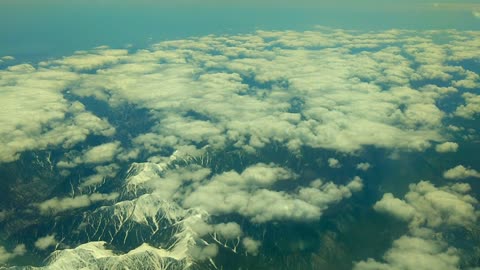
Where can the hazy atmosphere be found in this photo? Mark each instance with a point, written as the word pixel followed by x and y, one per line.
pixel 236 135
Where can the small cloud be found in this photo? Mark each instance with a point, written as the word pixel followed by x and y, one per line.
pixel 395 207
pixel 446 147
pixel 334 163
pixel 364 166
pixel 102 153
pixel 461 172
pixel 8 58
pixel 5 255
pixel 229 230
pixel 251 245
pixel 43 243
pixel 203 253
pixel 56 205
pixel 476 13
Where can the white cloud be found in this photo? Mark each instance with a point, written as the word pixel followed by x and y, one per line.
pixel 37 116
pixel 460 172
pixel 436 206
pixel 471 107
pixel 334 163
pixel 250 194
pixel 446 147
pixel 228 230
pixel 101 173
pixel 431 206
pixel 5 255
pixel 251 245
pixel 57 205
pixel 240 97
pixel 346 103
pixel 364 166
pixel 414 253
pixel 426 208
pixel 203 253
pixel 341 111
pixel 396 207
pixel 8 58
pixel 101 57
pixel 101 153
pixel 476 13
pixel 45 242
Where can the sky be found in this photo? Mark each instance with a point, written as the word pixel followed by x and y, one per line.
pixel 43 29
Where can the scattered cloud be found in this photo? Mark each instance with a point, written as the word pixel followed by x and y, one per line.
pixel 251 245
pixel 396 207
pixel 476 13
pixel 250 194
pixel 320 94
pixel 336 90
pixel 57 205
pixel 364 166
pixel 45 242
pixel 471 107
pixel 37 116
pixel 102 172
pixel 98 58
pixel 334 163
pixel 410 252
pixel 8 58
pixel 5 255
pixel 426 208
pixel 461 172
pixel 229 230
pixel 446 147
pixel 101 153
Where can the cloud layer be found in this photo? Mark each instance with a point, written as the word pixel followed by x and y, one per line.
pixel 207 99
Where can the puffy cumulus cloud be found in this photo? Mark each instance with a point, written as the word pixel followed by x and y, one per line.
pixel 95 59
pixel 447 205
pixel 57 205
pixel 332 89
pixel 36 114
pixel 167 184
pixel 396 207
pixel 427 209
pixel 102 172
pixel 248 193
pixel 267 205
pixel 98 154
pixel 460 172
pixel 471 107
pixel 412 253
pixel 334 163
pixel 5 255
pixel 446 147
pixel 363 166
pixel 251 194
pixel 45 242
pixel 101 153
pixel 251 245
pixel 470 81
pixel 203 253
pixel 228 230
pixel 8 58
pixel 262 174
pixel 223 91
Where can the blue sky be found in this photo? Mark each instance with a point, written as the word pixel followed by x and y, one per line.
pixel 39 29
